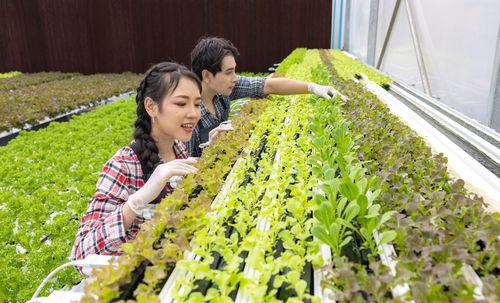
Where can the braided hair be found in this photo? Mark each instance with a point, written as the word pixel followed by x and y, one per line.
pixel 160 80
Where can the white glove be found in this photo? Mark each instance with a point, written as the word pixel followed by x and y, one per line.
pixel 214 133
pixel 139 200
pixel 326 92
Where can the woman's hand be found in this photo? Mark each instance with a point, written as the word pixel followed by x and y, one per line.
pixel 139 200
pixel 214 133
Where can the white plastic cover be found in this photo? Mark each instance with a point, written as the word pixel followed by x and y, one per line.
pixel 458 41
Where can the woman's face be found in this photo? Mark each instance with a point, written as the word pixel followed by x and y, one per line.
pixel 179 113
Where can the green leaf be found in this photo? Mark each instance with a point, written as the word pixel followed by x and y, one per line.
pixel 372 223
pixel 373 211
pixel 278 281
pixel 293 277
pixel 363 204
pixel 362 185
pixel 374 195
pixel 330 174
pixel 334 185
pixel 319 199
pixel 386 216
pixel 293 205
pixel 351 211
pixel 346 240
pixel 342 222
pixel 326 152
pixel 317 171
pixel 328 190
pixel 211 294
pixel 324 213
pixel 387 236
pixel 154 273
pixel 320 233
pixel 341 206
pixel 420 291
pixel 348 189
pixel 356 173
pixel 373 182
pixel 300 287
pixel 334 232
pixel 365 233
pixel 319 142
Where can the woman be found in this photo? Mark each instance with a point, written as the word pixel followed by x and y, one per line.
pixel 168 108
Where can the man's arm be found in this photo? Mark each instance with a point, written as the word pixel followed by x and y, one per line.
pixel 284 86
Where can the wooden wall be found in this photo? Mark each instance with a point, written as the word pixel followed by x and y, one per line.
pixel 101 36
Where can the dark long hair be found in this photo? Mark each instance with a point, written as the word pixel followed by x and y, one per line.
pixel 160 80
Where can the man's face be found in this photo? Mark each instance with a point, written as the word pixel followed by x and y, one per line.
pixel 223 82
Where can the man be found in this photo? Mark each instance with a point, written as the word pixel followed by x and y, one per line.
pixel 213 60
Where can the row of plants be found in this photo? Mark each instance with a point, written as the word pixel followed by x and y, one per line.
pixel 265 252
pixel 48 176
pixel 346 204
pixel 294 58
pixel 50 99
pixel 235 236
pixel 267 203
pixel 9 74
pixel 437 226
pixel 433 268
pixel 349 68
pixel 347 212
pixel 162 241
pixel 118 281
pixel 257 241
pixel 27 79
pixel 440 225
pixel 277 160
pixel 43 235
pixel 15 80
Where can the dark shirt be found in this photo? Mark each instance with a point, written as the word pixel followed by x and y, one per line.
pixel 245 87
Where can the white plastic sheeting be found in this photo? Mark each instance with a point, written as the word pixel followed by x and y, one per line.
pixel 458 41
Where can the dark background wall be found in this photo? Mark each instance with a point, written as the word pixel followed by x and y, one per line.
pixel 101 36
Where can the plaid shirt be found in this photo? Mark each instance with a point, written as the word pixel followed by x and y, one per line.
pixel 245 87
pixel 101 229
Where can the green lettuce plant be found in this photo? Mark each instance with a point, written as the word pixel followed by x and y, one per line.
pixel 9 74
pixel 437 221
pixel 48 176
pixel 163 240
pixel 56 95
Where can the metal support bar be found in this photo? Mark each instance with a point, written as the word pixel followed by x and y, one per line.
pixel 334 8
pixel 372 32
pixel 418 51
pixel 389 31
pixel 494 97
pixel 347 25
pixel 341 12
